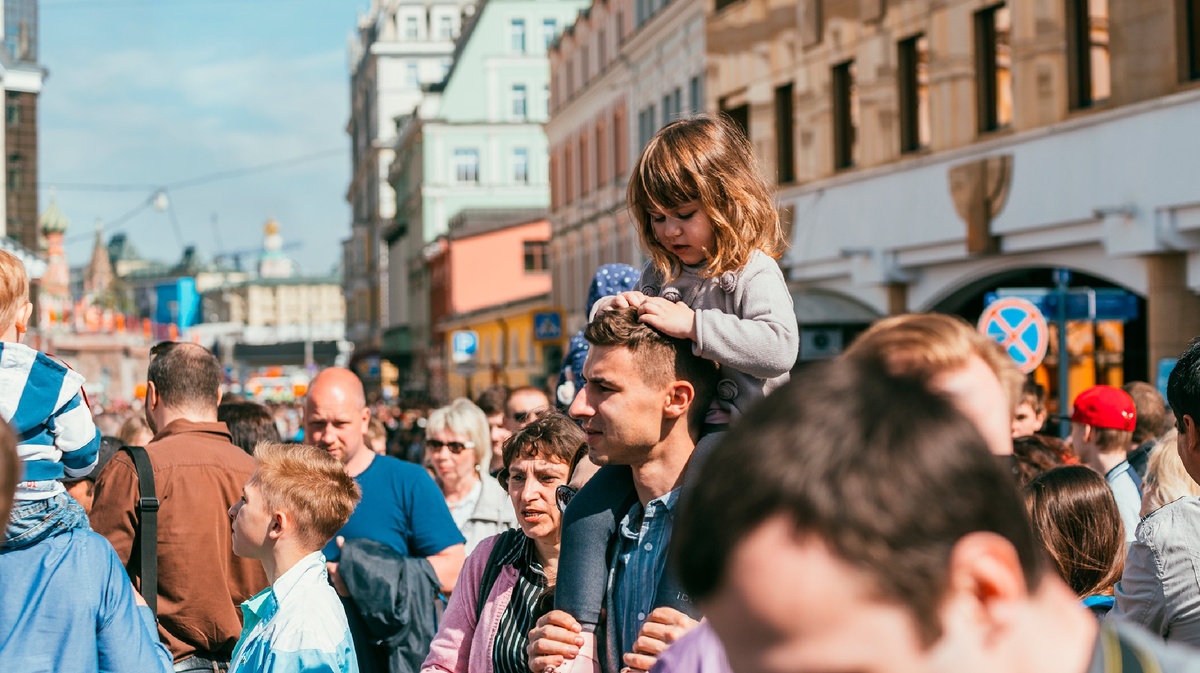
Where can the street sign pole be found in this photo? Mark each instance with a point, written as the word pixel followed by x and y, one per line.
pixel 1062 278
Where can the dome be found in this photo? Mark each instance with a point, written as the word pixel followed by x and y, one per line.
pixel 271 227
pixel 52 220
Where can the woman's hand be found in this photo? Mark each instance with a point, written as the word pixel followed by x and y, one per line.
pixel 553 640
pixel 626 299
pixel 662 628
pixel 674 319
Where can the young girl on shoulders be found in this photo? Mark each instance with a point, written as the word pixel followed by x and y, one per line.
pixel 708 220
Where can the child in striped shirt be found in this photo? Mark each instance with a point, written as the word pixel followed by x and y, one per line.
pixel 43 401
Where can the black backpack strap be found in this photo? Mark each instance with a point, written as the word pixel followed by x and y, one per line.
pixel 506 544
pixel 147 532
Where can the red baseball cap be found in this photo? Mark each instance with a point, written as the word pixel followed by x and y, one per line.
pixel 1105 407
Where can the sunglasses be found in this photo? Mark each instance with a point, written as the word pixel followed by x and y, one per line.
pixel 435 445
pixel 527 416
pixel 563 496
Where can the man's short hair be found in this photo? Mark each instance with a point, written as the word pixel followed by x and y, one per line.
pixel 309 484
pixel 888 474
pixel 1183 386
pixel 1151 411
pixel 10 469
pixel 923 345
pixel 185 376
pixel 661 358
pixel 14 288
pixel 249 423
pixel 492 400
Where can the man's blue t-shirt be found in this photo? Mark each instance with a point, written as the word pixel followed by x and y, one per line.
pixel 401 507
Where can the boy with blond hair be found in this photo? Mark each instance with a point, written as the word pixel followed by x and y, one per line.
pixel 293 504
pixel 43 401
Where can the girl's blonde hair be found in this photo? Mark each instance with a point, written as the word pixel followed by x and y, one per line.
pixel 708 160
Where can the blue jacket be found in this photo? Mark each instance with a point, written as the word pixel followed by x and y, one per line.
pixel 66 605
pixel 43 401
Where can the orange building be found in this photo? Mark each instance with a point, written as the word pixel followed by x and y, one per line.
pixel 489 276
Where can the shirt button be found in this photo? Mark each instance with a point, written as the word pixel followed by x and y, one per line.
pixel 641 616
pixel 649 547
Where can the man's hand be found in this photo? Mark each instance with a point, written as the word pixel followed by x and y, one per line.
pixel 334 578
pixel 554 639
pixel 674 319
pixel 663 627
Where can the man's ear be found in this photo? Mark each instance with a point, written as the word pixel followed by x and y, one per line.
pixel 986 575
pixel 1189 439
pixel 23 315
pixel 151 395
pixel 680 395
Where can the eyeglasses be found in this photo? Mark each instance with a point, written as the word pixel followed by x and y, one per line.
pixel 563 495
pixel 435 445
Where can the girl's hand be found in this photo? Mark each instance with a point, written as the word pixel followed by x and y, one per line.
pixel 627 299
pixel 674 319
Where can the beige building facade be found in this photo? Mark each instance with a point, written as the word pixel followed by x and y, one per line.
pixel 930 152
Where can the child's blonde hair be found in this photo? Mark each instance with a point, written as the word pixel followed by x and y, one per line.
pixel 707 160
pixel 309 484
pixel 14 288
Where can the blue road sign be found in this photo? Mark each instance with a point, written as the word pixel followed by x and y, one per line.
pixel 464 346
pixel 1020 329
pixel 1082 303
pixel 547 326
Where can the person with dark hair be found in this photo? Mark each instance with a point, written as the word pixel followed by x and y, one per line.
pixel 249 423
pixel 486 625
pixel 856 521
pixel 1030 414
pixel 1075 518
pixel 1160 588
pixel 1151 423
pixel 492 402
pixel 198 475
pixel 642 411
pixel 1036 454
pixel 66 604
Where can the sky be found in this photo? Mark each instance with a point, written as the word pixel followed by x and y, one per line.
pixel 148 93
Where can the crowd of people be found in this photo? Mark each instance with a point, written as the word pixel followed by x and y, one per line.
pixel 684 501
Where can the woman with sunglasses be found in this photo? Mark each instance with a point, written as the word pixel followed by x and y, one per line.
pixel 486 625
pixel 458 449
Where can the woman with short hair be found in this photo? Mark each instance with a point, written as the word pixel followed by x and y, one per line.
pixel 486 625
pixel 457 452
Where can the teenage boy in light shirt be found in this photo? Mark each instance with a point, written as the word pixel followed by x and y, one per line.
pixel 293 504
pixel 1102 426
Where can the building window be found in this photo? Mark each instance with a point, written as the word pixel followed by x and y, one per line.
pixel 520 101
pixel 520 165
pixel 1193 39
pixel 845 115
pixel 914 94
pixel 739 115
pixel 677 102
pixel 445 28
pixel 516 34
pixel 14 178
pixel 696 94
pixel 1087 52
pixel 412 75
pixel 666 110
pixel 785 152
pixel 12 114
pixel 411 32
pixel 535 255
pixel 466 165
pixel 546 93
pixel 993 44
pixel 549 31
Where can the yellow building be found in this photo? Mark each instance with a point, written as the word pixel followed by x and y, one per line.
pixel 508 352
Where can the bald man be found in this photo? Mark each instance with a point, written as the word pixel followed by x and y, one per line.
pixel 401 506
